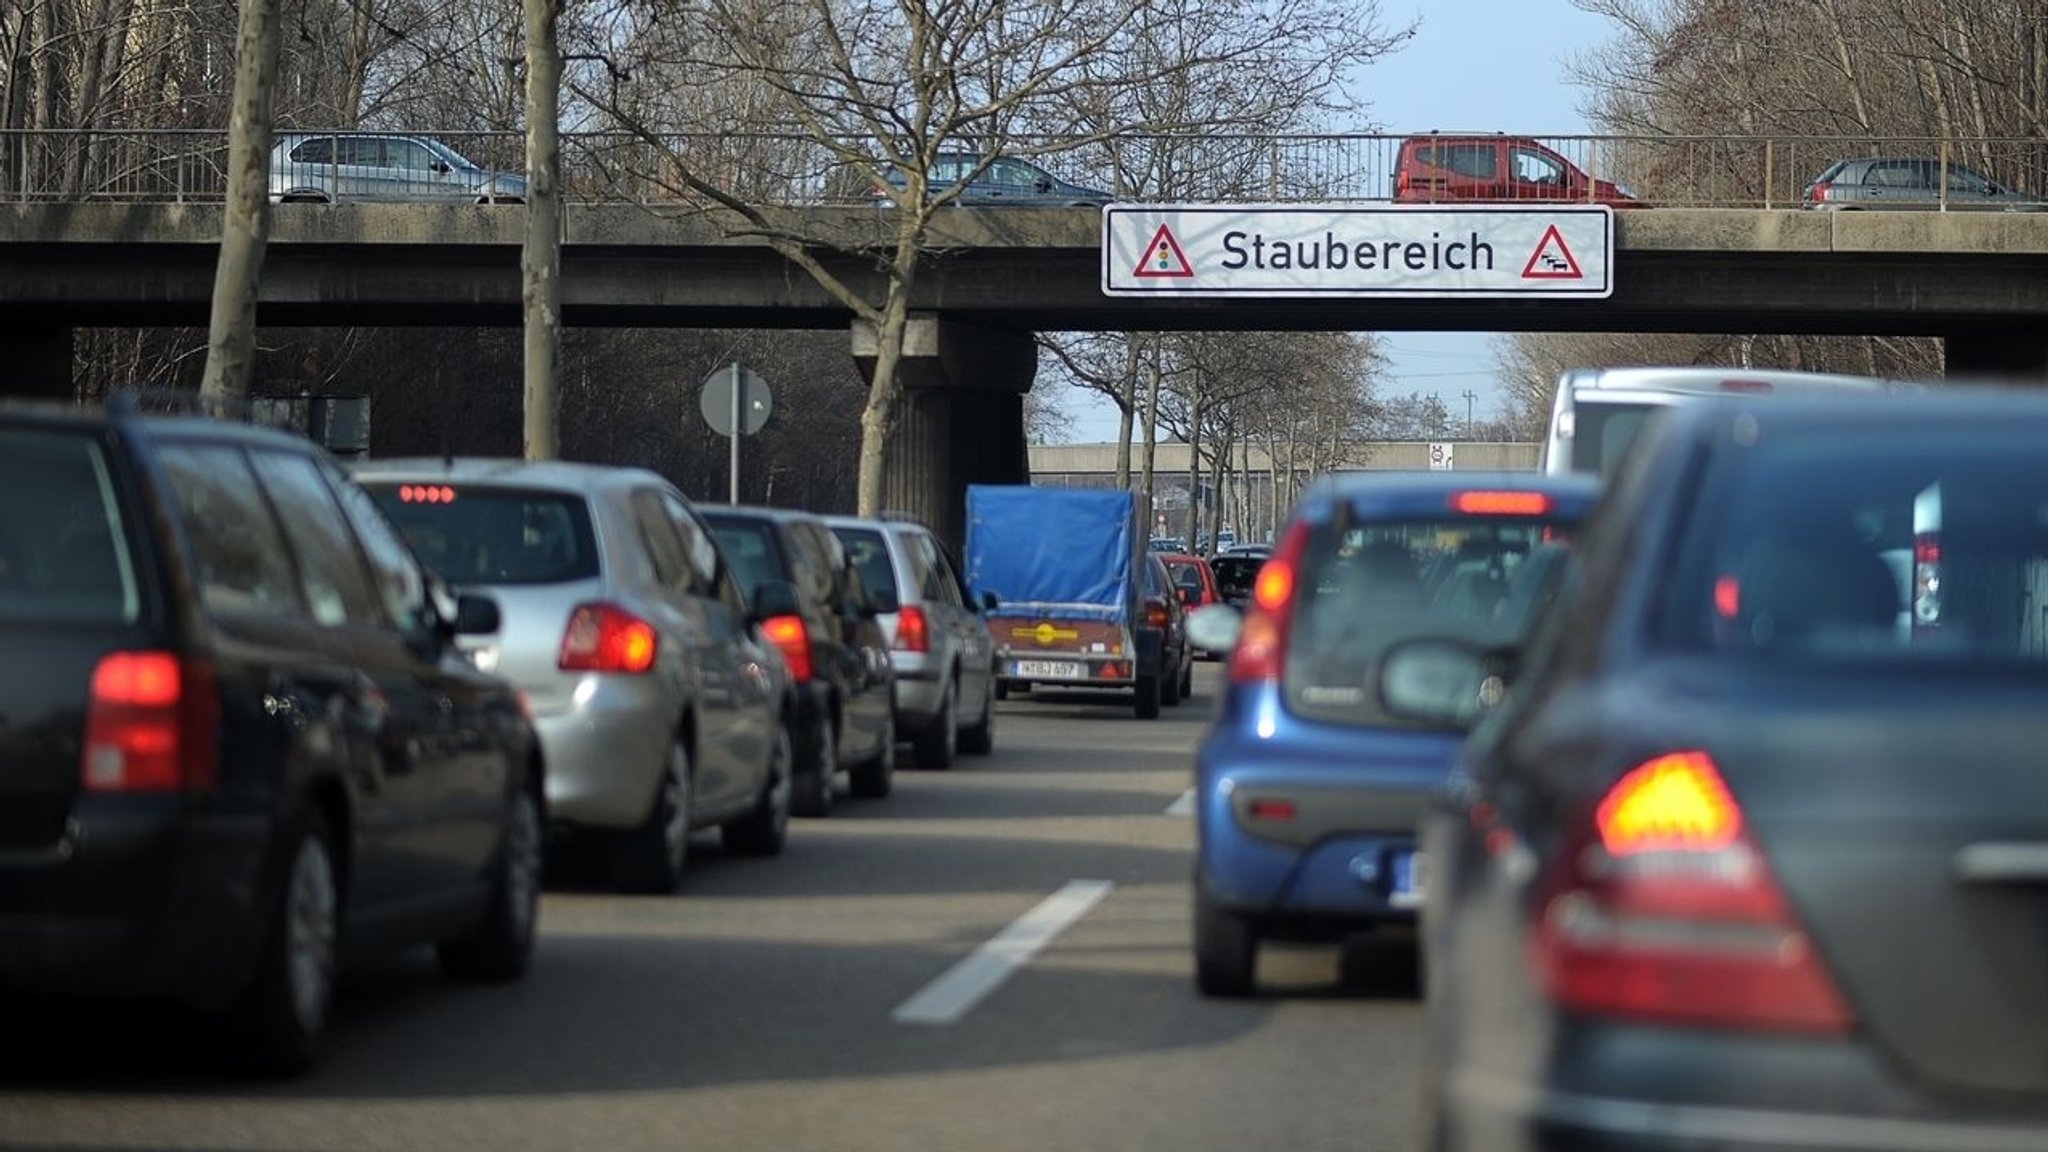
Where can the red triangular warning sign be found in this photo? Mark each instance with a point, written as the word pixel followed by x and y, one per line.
pixel 1163 258
pixel 1552 259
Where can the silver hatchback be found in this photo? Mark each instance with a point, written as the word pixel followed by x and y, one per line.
pixel 366 166
pixel 659 709
pixel 938 642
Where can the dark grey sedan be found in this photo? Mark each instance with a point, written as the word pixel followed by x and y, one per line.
pixel 1914 182
pixel 1754 855
pixel 995 182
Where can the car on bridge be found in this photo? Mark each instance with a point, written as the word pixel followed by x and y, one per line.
pixel 998 182
pixel 342 167
pixel 1308 789
pixel 1479 168
pixel 1753 852
pixel 1913 182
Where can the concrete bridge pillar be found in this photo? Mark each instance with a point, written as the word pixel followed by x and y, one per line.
pixel 961 421
pixel 35 362
pixel 2014 356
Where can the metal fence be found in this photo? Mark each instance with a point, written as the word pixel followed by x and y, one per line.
pixel 190 165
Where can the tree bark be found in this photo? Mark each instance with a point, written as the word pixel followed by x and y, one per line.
pixel 878 417
pixel 1151 433
pixel 1194 521
pixel 540 260
pixel 245 229
pixel 1126 413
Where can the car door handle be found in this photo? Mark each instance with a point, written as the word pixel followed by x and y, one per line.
pixel 2003 862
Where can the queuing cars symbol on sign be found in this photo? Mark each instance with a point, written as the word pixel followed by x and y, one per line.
pixel 1346 250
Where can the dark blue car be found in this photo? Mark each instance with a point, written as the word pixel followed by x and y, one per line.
pixel 1308 790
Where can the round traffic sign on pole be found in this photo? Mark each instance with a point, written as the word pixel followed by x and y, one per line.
pixel 736 387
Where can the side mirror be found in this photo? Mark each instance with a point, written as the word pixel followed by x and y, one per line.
pixel 774 598
pixel 882 602
pixel 1443 682
pixel 1214 627
pixel 989 603
pixel 477 615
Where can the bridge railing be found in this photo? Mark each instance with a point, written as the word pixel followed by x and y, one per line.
pixel 190 165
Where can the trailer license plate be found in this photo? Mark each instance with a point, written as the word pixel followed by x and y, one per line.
pixel 1051 670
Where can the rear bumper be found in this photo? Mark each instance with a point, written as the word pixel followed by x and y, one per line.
pixel 606 749
pixel 920 689
pixel 1482 1114
pixel 138 905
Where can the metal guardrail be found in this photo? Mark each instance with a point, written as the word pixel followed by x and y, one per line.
pixel 189 165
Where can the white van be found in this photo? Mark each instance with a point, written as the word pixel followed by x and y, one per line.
pixel 1599 411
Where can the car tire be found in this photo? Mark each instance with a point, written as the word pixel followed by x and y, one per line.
pixel 1226 950
pixel 979 738
pixel 1187 682
pixel 1148 692
pixel 1001 690
pixel 499 948
pixel 652 858
pixel 275 1027
pixel 812 794
pixel 940 740
pixel 765 830
pixel 876 778
pixel 1169 688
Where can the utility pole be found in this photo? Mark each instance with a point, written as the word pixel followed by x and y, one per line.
pixel 1470 396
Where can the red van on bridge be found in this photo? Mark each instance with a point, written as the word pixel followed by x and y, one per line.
pixel 1476 167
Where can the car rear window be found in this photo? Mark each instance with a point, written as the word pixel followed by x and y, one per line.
pixel 493 535
pixel 1866 546
pixel 1602 431
pixel 750 550
pixel 870 556
pixel 63 551
pixel 1363 588
pixel 1235 574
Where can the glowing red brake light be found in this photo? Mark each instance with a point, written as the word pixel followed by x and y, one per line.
pixel 1262 639
pixel 1661 908
pixel 1501 503
pixel 425 494
pixel 150 724
pixel 607 638
pixel 793 640
pixel 913 631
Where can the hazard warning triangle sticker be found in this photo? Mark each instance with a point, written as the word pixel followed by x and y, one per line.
pixel 1163 258
pixel 1552 259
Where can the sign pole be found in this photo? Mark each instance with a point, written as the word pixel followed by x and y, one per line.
pixel 739 410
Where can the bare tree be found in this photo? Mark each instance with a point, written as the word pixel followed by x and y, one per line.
pixel 245 225
pixel 540 262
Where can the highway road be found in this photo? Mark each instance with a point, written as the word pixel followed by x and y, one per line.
pixel 993 958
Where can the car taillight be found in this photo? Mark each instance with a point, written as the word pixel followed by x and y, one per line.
pixel 607 638
pixel 1739 385
pixel 1262 639
pixel 151 724
pixel 1156 615
pixel 1497 503
pixel 1662 909
pixel 913 631
pixel 793 640
pixel 1818 191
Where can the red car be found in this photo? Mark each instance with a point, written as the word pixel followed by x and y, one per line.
pixel 1437 169
pixel 1196 582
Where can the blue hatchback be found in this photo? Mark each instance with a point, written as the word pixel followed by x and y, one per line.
pixel 1308 790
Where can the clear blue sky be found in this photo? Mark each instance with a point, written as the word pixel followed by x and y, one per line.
pixel 1503 65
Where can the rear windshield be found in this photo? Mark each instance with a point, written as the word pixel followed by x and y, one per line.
pixel 750 550
pixel 1602 431
pixel 1363 589
pixel 870 555
pixel 63 553
pixel 1871 546
pixel 1186 573
pixel 493 535
pixel 1235 574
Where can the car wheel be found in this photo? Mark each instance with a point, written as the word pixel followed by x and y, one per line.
pixel 813 795
pixel 653 856
pixel 1148 691
pixel 277 1024
pixel 874 779
pixel 1187 681
pixel 979 738
pixel 499 948
pixel 1169 688
pixel 1226 950
pixel 765 830
pixel 941 738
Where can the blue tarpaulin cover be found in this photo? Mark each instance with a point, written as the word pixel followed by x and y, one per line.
pixel 1060 553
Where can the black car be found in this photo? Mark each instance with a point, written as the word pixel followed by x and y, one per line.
pixel 831 639
pixel 237 747
pixel 1754 854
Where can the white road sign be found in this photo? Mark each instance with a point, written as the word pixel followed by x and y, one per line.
pixel 1386 250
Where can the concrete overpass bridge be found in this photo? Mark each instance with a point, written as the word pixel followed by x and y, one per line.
pixel 991 279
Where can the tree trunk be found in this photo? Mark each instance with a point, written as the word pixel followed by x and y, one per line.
pixel 1194 521
pixel 540 261
pixel 245 229
pixel 1151 433
pixel 1126 413
pixel 878 417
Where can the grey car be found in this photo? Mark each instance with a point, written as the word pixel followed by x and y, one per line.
pixel 1914 182
pixel 332 167
pixel 660 709
pixel 1004 180
pixel 939 643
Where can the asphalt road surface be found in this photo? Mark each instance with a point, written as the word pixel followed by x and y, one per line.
pixel 995 957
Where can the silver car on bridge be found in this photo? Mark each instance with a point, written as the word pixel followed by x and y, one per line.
pixel 333 167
